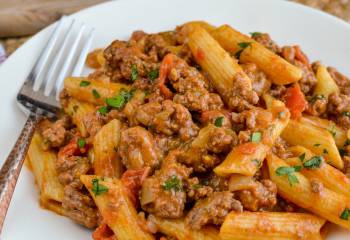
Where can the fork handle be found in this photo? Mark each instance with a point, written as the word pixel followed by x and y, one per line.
pixel 11 168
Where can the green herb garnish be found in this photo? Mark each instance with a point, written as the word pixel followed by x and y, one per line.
pixel 345 214
pixel 134 72
pixel 153 74
pixel 325 151
pixel 95 94
pixel 103 110
pixel 196 186
pixel 121 99
pixel 84 83
pixel 242 46
pixel 173 183
pixel 314 162
pixel 97 188
pixel 289 172
pixel 255 137
pixel 316 97
pixel 332 130
pixel 218 121
pixel 346 113
pixel 81 142
pixel 317 145
pixel 255 34
pixel 302 157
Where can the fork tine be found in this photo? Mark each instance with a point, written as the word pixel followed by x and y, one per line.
pixel 55 64
pixel 44 55
pixel 84 52
pixel 68 61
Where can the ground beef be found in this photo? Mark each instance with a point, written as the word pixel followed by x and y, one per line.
pixel 80 207
pixel 221 140
pixel 196 190
pixel 213 115
pixel 191 88
pixel 316 186
pixel 346 169
pixel 162 194
pixel 55 133
pixel 260 82
pixel 137 149
pixel 212 209
pixel 166 143
pixel 278 91
pixel 215 182
pixel 93 122
pixel 266 41
pixel 317 107
pixel 341 80
pixel 280 148
pixel 338 109
pixel 168 118
pixel 261 196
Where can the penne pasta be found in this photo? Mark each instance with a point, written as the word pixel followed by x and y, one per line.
pixel 331 177
pixel 176 228
pixel 42 163
pixel 271 226
pixel 318 140
pixel 247 158
pixel 77 110
pixel 276 68
pixel 189 27
pixel 297 189
pixel 325 83
pixel 106 141
pixel 225 73
pixel 338 133
pixel 117 210
pixel 92 91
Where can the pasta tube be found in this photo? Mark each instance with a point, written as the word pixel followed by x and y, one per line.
pixel 176 228
pixel 92 91
pixel 271 226
pixel 296 188
pixel 276 68
pixel 117 210
pixel 325 83
pixel 106 162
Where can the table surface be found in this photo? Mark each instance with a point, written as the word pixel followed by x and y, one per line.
pixel 340 8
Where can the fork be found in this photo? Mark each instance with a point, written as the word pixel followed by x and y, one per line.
pixel 39 94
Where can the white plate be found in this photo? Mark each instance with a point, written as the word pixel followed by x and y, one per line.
pixel 321 36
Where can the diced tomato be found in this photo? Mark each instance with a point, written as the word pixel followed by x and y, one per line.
pixel 103 232
pixel 295 101
pixel 132 180
pixel 166 65
pixel 247 148
pixel 200 54
pixel 299 55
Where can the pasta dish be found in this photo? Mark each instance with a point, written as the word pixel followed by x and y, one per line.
pixel 199 133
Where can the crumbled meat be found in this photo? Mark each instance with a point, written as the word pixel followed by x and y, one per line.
pixel 196 190
pixel 317 107
pixel 213 115
pixel 80 207
pixel 162 194
pixel 215 182
pixel 316 186
pixel 278 91
pixel 137 149
pixel 212 209
pixel 265 40
pixel 280 148
pixel 261 196
pixel 55 133
pixel 191 88
pixel 166 143
pixel 341 80
pixel 93 123
pixel 221 140
pixel 346 169
pixel 168 118
pixel 130 108
pixel 260 82
pixel 338 105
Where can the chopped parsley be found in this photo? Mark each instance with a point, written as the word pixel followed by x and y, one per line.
pixel 346 113
pixel 196 186
pixel 103 110
pixel 345 214
pixel 97 188
pixel 121 99
pixel 95 94
pixel 255 34
pixel 242 46
pixel 134 72
pixel 255 137
pixel 153 75
pixel 343 152
pixel 316 97
pixel 347 142
pixel 173 183
pixel 317 145
pixel 325 151
pixel 289 172
pixel 84 83
pixel 314 162
pixel 218 121
pixel 332 130
pixel 81 142
pixel 302 157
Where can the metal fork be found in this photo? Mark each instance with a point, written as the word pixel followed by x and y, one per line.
pixel 64 55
